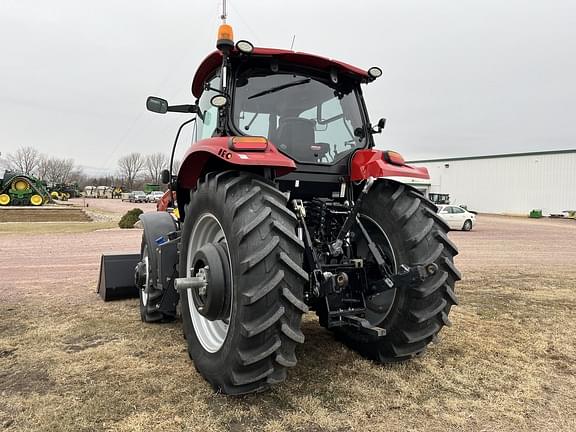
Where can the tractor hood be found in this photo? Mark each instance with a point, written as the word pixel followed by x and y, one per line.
pixel 214 60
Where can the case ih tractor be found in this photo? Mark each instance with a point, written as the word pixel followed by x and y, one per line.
pixel 284 207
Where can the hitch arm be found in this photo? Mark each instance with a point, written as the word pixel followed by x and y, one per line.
pixel 336 246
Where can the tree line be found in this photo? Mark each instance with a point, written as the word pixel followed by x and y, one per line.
pixel 133 171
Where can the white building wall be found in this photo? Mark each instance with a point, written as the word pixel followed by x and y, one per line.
pixel 511 185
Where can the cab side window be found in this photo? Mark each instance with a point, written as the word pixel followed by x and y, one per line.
pixel 207 123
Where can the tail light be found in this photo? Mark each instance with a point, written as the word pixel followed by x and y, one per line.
pixel 248 144
pixel 394 158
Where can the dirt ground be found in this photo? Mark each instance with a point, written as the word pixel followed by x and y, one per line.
pixel 115 206
pixel 69 362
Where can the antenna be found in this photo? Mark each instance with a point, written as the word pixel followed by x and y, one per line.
pixel 224 14
pixel 292 44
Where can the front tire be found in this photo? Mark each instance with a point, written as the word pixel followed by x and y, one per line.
pixel 251 348
pixel 412 234
pixel 467 225
pixel 149 295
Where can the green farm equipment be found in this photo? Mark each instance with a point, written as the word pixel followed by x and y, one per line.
pixel 536 213
pixel 64 191
pixel 151 187
pixel 17 189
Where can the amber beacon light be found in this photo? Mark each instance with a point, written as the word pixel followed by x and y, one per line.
pixel 225 37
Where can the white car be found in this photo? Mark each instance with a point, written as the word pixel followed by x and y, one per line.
pixel 154 196
pixel 138 197
pixel 456 217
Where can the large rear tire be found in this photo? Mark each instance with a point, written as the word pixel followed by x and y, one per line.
pixel 247 217
pixel 412 234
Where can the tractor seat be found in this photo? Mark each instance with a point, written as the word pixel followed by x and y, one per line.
pixel 295 137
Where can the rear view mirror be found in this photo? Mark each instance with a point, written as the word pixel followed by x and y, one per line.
pixel 157 105
pixel 378 128
pixel 166 177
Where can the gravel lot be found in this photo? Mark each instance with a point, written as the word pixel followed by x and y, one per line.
pixel 71 362
pixel 106 209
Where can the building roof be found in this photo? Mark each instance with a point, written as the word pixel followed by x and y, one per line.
pixel 494 156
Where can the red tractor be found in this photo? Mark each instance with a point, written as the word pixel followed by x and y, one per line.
pixel 285 206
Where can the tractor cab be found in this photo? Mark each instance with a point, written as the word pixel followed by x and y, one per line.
pixel 308 107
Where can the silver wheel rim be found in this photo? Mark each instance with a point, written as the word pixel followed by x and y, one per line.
pixel 144 290
pixel 210 334
pixel 387 298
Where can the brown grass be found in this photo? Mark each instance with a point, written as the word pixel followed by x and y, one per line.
pixel 53 227
pixel 507 363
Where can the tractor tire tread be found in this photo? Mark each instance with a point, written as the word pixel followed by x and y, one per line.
pixel 249 357
pixel 263 289
pixel 269 285
pixel 263 323
pixel 255 223
pixel 258 256
pixel 294 301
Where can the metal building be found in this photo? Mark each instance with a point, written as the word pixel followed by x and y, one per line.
pixel 507 183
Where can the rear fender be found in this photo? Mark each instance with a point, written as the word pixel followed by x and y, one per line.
pixel 371 163
pixel 217 154
pixel 219 148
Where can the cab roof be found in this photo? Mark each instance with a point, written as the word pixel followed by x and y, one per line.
pixel 214 60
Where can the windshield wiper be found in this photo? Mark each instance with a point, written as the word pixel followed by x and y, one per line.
pixel 280 87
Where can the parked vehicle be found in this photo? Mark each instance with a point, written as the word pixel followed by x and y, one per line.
pixel 117 192
pixel 138 197
pixel 18 189
pixel 151 187
pixel 104 192
pixel 90 192
pixel 438 198
pixel 155 196
pixel 456 217
pixel 65 191
pixel 284 206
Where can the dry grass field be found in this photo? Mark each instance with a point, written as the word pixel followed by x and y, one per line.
pixel 69 362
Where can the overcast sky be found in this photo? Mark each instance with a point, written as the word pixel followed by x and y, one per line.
pixel 460 77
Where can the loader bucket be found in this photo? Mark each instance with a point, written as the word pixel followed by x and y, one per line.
pixel 116 279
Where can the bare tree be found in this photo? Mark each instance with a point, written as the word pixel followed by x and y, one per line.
pixel 55 170
pixel 60 170
pixel 130 166
pixel 24 160
pixel 155 163
pixel 43 167
pixel 3 163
